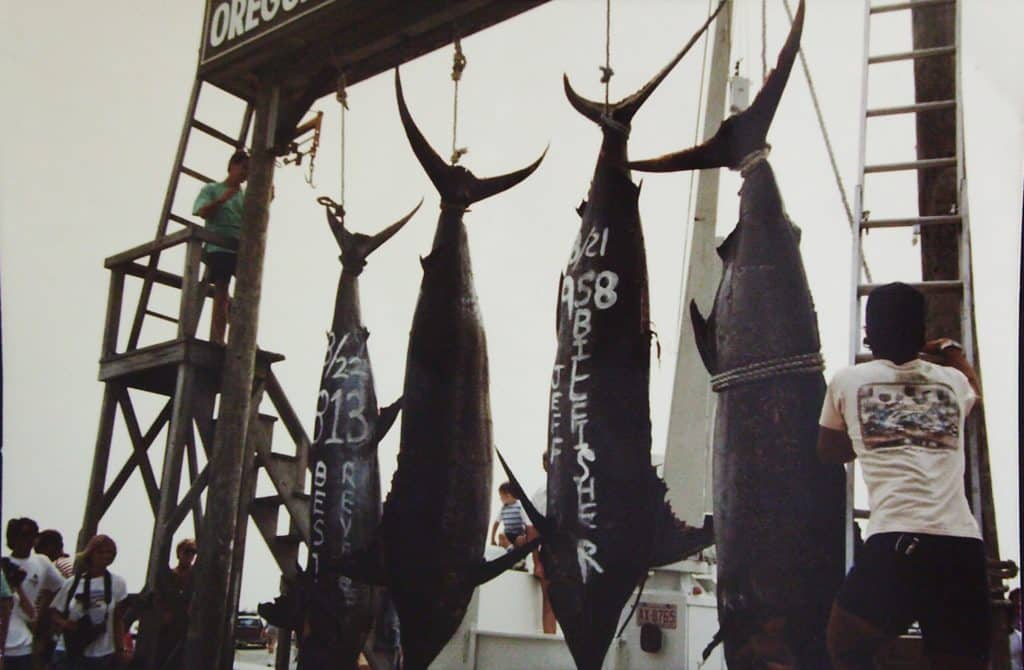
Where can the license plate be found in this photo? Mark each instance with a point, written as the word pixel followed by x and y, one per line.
pixel 661 615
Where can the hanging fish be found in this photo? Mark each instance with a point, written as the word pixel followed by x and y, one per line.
pixel 335 613
pixel 429 551
pixel 607 519
pixel 779 512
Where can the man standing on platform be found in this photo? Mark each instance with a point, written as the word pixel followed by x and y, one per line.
pixel 923 559
pixel 220 205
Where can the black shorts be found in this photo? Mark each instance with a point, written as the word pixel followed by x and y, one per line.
pixel 221 264
pixel 939 581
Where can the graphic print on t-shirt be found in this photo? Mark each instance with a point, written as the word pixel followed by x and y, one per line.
pixel 902 414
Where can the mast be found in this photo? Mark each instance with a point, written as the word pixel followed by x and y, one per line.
pixel 687 449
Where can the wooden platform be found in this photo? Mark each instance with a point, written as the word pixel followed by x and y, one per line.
pixel 155 368
pixel 306 43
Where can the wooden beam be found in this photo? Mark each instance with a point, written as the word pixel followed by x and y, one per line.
pixel 211 595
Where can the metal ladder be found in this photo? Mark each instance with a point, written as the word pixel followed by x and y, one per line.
pixel 167 211
pixel 956 290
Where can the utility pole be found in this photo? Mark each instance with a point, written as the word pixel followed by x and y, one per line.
pixel 689 425
pixel 212 607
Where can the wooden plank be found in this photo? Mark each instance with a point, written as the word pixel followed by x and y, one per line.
pixel 291 421
pixel 126 470
pixel 150 248
pixel 112 320
pixel 100 459
pixel 139 448
pixel 191 293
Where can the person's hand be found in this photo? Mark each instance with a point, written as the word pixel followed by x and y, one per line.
pixel 938 347
pixel 230 192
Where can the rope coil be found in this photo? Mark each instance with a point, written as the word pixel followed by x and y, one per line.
pixel 778 367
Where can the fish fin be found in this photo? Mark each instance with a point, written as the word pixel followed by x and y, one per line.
pixel 676 540
pixel 743 133
pixel 581 208
pixel 701 337
pixel 636 603
pixel 797 233
pixel 488 570
pixel 286 611
pixel 456 184
pixel 716 640
pixel 558 302
pixel 727 249
pixel 623 111
pixel 539 521
pixel 386 419
pixel 362 565
pixel 389 232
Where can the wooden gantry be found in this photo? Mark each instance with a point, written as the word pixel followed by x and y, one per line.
pixel 277 59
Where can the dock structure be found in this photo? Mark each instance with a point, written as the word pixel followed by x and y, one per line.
pixel 277 59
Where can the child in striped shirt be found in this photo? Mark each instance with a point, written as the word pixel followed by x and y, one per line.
pixel 512 518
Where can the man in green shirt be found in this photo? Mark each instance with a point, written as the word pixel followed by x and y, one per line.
pixel 220 205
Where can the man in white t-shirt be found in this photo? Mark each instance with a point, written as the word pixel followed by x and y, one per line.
pixel 923 559
pixel 31 595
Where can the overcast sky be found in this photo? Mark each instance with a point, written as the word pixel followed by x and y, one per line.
pixel 95 95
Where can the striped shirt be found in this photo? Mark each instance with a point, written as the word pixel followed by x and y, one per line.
pixel 512 519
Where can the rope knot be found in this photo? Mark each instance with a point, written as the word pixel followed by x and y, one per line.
pixel 458 61
pixel 606 73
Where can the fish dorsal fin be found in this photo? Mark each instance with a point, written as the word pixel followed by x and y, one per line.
pixel 456 185
pixel 797 233
pixel 386 420
pixel 675 540
pixel 702 337
pixel 727 249
pixel 488 570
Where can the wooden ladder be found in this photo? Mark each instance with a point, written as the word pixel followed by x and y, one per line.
pixel 168 212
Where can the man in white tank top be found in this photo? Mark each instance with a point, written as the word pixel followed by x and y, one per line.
pixel 923 559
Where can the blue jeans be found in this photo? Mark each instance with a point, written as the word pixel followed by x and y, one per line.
pixel 61 661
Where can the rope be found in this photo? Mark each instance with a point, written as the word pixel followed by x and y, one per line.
pixel 753 159
pixel 828 144
pixel 342 96
pixel 458 65
pixel 764 40
pixel 606 70
pixel 755 372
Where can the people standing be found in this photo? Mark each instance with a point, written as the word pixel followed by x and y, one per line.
pixel 540 501
pixel 923 558
pixel 172 599
pixel 36 583
pixel 220 205
pixel 50 543
pixel 6 601
pixel 88 611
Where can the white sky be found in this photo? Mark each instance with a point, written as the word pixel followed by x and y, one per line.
pixel 95 97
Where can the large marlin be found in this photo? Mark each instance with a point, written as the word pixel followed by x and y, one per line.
pixel 607 519
pixel 345 502
pixel 778 511
pixel 429 551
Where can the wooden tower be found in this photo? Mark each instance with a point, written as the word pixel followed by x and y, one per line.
pixel 276 61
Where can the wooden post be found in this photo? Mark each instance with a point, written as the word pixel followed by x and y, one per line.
pixel 210 602
pixel 100 459
pixel 689 425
